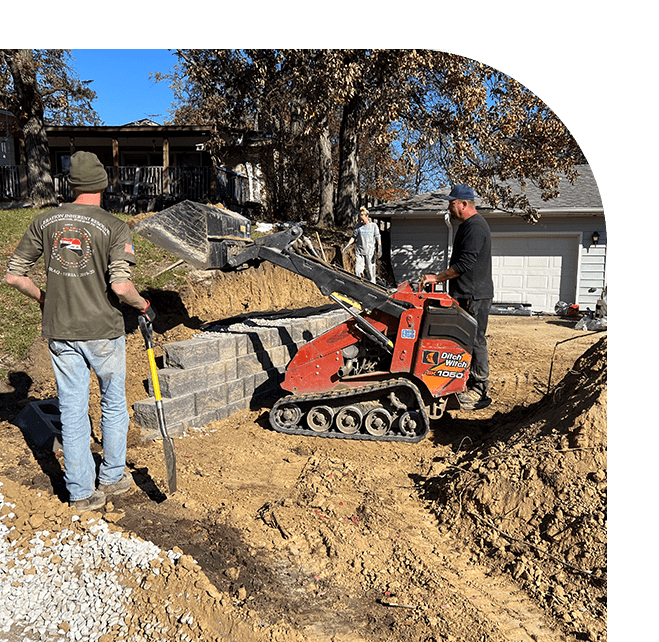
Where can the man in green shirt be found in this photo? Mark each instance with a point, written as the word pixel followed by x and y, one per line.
pixel 87 254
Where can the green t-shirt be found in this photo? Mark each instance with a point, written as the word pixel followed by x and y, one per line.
pixel 78 243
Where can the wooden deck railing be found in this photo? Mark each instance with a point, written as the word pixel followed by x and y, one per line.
pixel 147 188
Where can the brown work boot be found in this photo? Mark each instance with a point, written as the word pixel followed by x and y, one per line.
pixel 95 501
pixel 473 400
pixel 120 487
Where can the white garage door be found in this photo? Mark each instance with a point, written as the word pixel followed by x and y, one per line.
pixel 539 270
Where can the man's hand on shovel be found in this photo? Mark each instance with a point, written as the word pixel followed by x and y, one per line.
pixel 145 321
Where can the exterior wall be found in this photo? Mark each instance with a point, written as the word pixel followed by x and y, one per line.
pixel 419 246
pixel 219 373
pixel 591 259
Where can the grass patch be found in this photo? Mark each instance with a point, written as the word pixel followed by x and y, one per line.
pixel 20 317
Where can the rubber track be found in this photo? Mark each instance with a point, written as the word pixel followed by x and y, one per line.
pixel 349 395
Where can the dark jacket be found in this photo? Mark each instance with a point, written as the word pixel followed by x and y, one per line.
pixel 472 260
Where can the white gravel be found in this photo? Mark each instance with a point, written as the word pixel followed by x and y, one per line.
pixel 56 588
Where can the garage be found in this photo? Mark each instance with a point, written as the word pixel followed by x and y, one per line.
pixel 560 257
pixel 536 269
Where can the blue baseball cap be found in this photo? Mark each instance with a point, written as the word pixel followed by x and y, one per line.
pixel 461 192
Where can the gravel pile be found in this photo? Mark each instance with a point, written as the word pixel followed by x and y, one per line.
pixel 66 576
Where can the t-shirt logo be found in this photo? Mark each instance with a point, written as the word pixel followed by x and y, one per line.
pixel 72 247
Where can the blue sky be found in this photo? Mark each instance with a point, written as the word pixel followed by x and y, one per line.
pixel 121 82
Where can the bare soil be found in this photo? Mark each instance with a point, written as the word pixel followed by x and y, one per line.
pixel 491 529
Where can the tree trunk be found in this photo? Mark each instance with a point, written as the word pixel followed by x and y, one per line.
pixel 326 186
pixel 347 197
pixel 40 182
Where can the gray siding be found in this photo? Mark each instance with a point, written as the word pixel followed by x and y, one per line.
pixel 418 246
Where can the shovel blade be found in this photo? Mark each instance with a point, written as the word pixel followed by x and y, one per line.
pixel 170 462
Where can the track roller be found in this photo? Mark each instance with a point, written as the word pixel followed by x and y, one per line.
pixel 287 415
pixel 320 418
pixel 378 421
pixel 349 419
pixel 410 423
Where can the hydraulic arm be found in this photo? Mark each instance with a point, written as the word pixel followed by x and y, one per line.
pixel 382 374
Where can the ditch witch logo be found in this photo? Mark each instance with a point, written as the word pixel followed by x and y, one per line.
pixel 447 365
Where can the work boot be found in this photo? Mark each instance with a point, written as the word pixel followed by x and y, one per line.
pixel 120 487
pixel 95 501
pixel 473 399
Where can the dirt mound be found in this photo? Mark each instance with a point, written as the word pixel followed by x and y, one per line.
pixel 531 497
pixel 213 295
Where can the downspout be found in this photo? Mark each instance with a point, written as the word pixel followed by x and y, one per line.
pixel 449 244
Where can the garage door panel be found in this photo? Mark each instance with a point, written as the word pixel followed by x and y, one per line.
pixel 512 261
pixel 539 262
pixel 537 282
pixel 535 270
pixel 515 281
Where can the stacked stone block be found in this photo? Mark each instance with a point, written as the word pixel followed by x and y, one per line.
pixel 227 369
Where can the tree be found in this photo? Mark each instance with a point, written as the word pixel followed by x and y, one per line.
pixel 490 131
pixel 402 120
pixel 40 85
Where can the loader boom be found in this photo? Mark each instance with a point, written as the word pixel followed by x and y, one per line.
pixel 381 374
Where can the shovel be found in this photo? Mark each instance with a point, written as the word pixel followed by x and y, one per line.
pixel 168 445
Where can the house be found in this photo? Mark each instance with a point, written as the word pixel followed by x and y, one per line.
pixel 10 173
pixel 151 166
pixel 8 127
pixel 560 258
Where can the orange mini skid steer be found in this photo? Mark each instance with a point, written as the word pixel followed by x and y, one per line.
pixel 381 375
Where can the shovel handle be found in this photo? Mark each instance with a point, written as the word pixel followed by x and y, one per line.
pixel 147 330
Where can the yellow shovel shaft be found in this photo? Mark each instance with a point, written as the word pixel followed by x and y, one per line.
pixel 154 374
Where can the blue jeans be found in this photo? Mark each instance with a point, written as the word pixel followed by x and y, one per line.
pixel 72 362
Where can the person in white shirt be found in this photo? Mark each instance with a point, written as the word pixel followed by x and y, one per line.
pixel 368 243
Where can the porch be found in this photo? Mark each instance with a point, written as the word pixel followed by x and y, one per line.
pixel 148 188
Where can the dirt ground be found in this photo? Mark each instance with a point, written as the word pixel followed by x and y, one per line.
pixel 493 528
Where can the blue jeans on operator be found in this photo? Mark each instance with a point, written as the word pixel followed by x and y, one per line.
pixel 72 363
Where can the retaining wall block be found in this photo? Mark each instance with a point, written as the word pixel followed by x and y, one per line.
pixel 177 382
pixel 248 386
pixel 243 346
pixel 235 390
pixel 251 363
pixel 177 412
pixel 299 331
pixel 192 353
pixel 205 418
pixel 216 373
pixel 231 369
pixel 280 355
pixel 222 412
pixel 210 399
pixel 263 338
pixel 284 337
pixel 269 380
